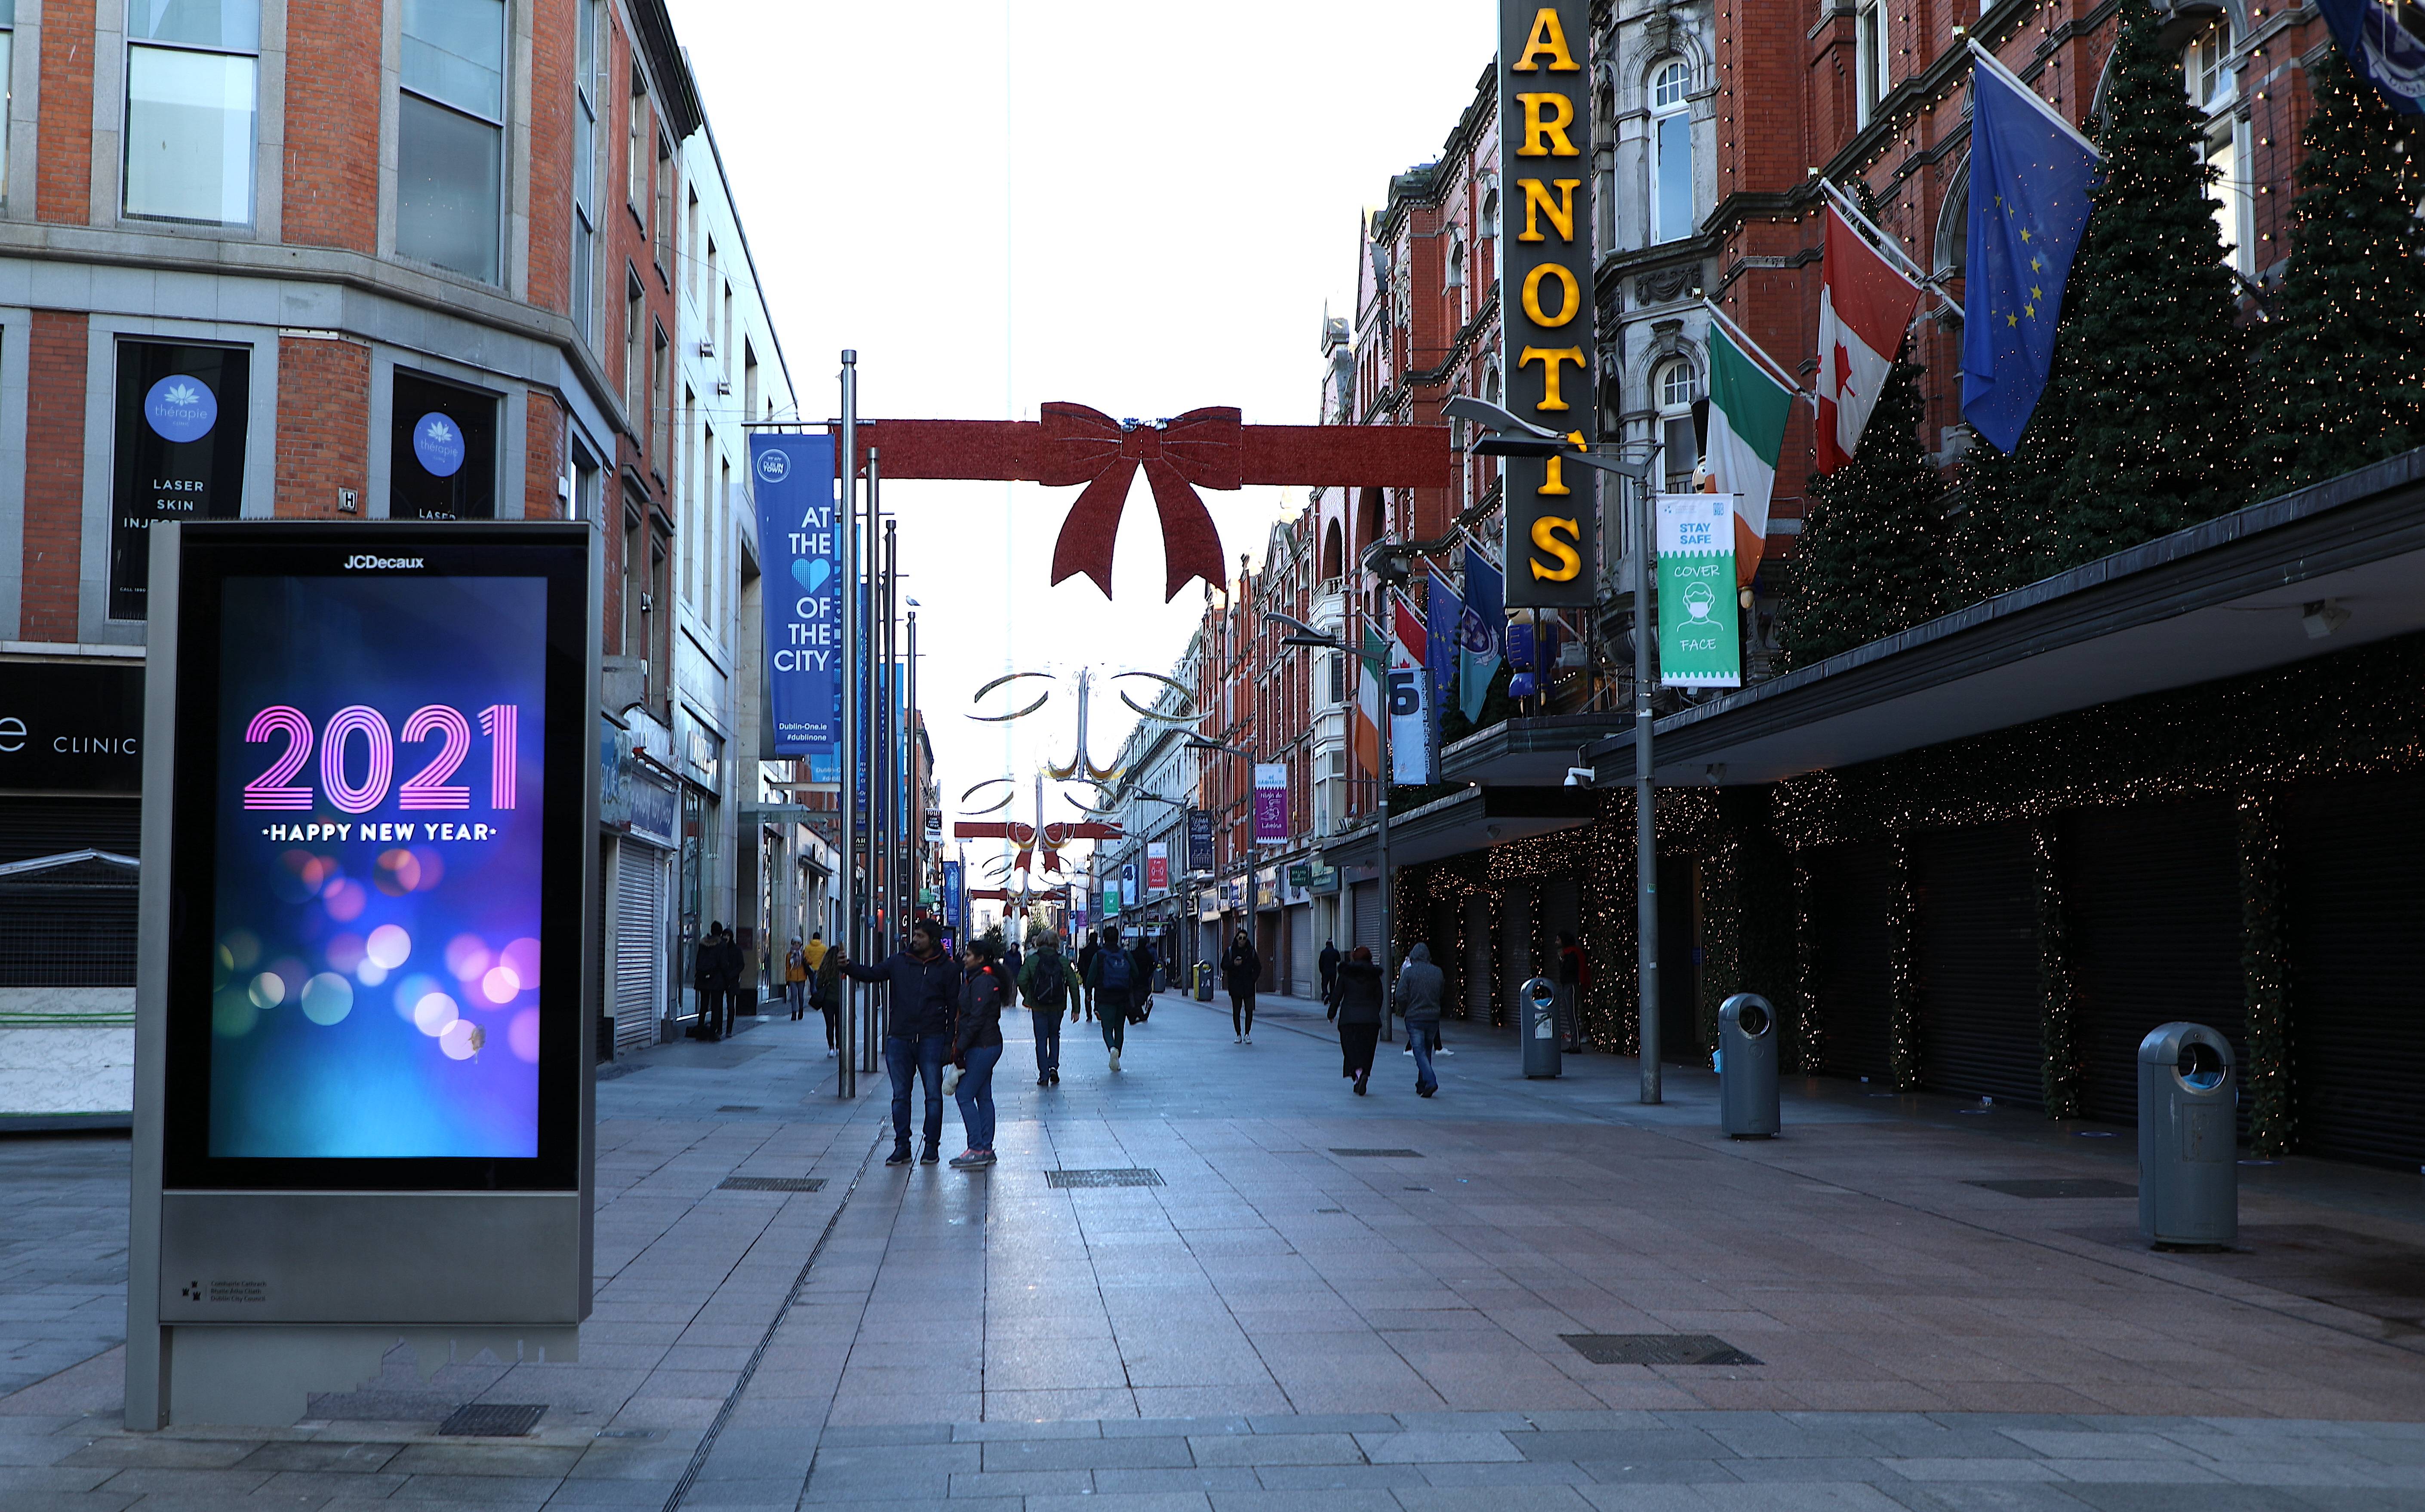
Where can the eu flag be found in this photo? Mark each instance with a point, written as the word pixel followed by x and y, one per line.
pixel 2030 178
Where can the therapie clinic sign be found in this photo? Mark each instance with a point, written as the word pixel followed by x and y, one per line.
pixel 1546 326
pixel 794 484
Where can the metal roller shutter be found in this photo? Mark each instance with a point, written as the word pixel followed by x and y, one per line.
pixel 2353 886
pixel 1516 947
pixel 1300 981
pixel 1562 913
pixel 1680 973
pixel 1481 962
pixel 638 937
pixel 1850 891
pixel 1975 962
pixel 52 826
pixel 2152 933
pixel 1368 918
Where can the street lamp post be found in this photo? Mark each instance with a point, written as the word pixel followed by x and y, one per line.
pixel 1506 434
pixel 846 1073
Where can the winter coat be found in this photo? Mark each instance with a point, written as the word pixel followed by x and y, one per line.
pixel 1421 987
pixel 827 988
pixel 924 994
pixel 983 993
pixel 1241 969
pixel 1044 980
pixel 1360 994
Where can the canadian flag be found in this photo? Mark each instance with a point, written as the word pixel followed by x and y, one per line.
pixel 1864 306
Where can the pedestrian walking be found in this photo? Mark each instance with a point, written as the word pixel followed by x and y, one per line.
pixel 1111 977
pixel 826 991
pixel 977 1048
pixel 796 978
pixel 1086 953
pixel 1574 981
pixel 1358 1012
pixel 922 1000
pixel 711 978
pixel 1327 964
pixel 1242 971
pixel 1141 965
pixel 1012 957
pixel 1420 989
pixel 1044 986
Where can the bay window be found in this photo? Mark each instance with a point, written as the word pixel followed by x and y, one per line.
pixel 192 78
pixel 451 135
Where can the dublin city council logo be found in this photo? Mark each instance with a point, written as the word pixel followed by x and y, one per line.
pixel 774 466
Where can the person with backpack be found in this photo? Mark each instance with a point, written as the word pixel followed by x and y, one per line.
pixel 1044 980
pixel 1086 953
pixel 1112 978
pixel 1242 971
pixel 826 992
pixel 977 1048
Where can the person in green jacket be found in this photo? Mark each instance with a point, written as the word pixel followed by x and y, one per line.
pixel 1046 983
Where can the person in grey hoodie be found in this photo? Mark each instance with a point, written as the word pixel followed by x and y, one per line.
pixel 1421 987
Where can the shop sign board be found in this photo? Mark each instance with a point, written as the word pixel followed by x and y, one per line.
pixel 1700 639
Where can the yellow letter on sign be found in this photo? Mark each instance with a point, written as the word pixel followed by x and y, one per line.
pixel 1538 203
pixel 1550 357
pixel 1546 119
pixel 1548 40
pixel 1547 537
pixel 1569 301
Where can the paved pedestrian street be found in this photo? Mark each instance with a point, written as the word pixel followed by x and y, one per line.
pixel 1218 1280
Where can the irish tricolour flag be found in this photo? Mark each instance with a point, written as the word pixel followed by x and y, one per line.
pixel 1864 306
pixel 1747 412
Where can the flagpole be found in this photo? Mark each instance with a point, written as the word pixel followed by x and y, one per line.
pixel 1996 66
pixel 1775 369
pixel 1879 239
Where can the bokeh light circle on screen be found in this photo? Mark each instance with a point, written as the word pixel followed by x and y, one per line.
pixel 468 958
pixel 266 990
pixel 370 973
pixel 232 1014
pixel 462 1039
pixel 500 985
pixel 433 867
pixel 346 951
pixel 299 877
pixel 410 993
pixel 327 998
pixel 345 899
pixel 242 948
pixel 521 959
pixel 522 1036
pixel 432 1014
pixel 390 946
pixel 399 872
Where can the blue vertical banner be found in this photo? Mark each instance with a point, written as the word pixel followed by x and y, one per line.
pixel 952 901
pixel 801 547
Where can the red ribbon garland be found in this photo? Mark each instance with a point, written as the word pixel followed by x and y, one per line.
pixel 1084 445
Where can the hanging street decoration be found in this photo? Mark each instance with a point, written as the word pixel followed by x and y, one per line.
pixel 1074 445
pixel 1547 351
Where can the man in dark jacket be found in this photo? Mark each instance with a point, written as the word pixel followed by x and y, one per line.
pixel 1086 953
pixel 1328 963
pixel 921 1001
pixel 714 973
pixel 1242 971
pixel 1421 987
pixel 1112 978
pixel 1359 1011
pixel 1044 986
pixel 1141 964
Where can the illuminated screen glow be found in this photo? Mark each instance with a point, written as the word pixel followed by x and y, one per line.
pixel 377 923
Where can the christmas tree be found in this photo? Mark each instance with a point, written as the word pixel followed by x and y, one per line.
pixel 2150 378
pixel 2005 505
pixel 2341 369
pixel 1874 541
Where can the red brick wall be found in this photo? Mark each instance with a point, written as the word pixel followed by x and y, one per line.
pixel 543 457
pixel 54 474
pixel 333 121
pixel 63 172
pixel 550 186
pixel 323 390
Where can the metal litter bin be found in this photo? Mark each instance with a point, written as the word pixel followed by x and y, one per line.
pixel 1747 1100
pixel 2189 1172
pixel 1204 981
pixel 1538 999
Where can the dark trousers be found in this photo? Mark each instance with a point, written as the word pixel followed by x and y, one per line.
pixel 796 994
pixel 1355 1042
pixel 923 1058
pixel 976 1094
pixel 714 1011
pixel 1047 1041
pixel 1112 1010
pixel 831 1008
pixel 1241 1011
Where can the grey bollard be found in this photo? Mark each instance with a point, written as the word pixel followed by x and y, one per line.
pixel 1538 999
pixel 1748 1098
pixel 2188 1171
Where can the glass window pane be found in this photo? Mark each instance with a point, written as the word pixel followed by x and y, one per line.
pixel 189 135
pixel 446 196
pixel 7 12
pixel 1675 206
pixel 235 25
pixel 8 44
pixel 455 51
pixel 1679 454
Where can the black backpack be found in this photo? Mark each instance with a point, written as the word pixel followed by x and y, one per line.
pixel 1054 984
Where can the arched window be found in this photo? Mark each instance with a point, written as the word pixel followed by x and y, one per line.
pixel 1674 386
pixel 1334 552
pixel 1953 223
pixel 1372 519
pixel 1455 258
pixel 1671 152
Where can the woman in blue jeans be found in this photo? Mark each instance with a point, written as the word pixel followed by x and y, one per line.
pixel 977 1047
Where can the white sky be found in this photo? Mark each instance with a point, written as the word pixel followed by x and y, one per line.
pixel 1140 207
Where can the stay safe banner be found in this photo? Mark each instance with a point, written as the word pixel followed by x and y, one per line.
pixel 802 552
pixel 1699 642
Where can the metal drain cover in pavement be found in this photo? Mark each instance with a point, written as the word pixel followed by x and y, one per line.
pixel 772 1183
pixel 1656 1349
pixel 491 1420
pixel 1380 1154
pixel 2060 1187
pixel 1134 1175
pixel 738 1107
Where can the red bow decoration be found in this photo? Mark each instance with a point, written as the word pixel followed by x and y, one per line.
pixel 1084 445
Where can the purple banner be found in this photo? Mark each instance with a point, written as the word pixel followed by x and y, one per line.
pixel 1271 803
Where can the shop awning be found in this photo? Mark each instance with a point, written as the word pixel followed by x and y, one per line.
pixel 1529 752
pixel 2337 565
pixel 1475 819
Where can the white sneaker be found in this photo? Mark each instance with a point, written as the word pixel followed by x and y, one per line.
pixel 1115 1060
pixel 831 1052
pixel 1443 1051
pixel 1408 1050
pixel 1237 1040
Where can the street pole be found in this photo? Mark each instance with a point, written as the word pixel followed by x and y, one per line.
pixel 846 1075
pixel 895 921
pixel 1645 796
pixel 872 897
pixel 917 786
pixel 1381 839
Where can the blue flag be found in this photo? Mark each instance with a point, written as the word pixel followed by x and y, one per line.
pixel 1442 611
pixel 1480 632
pixel 2384 41
pixel 2030 178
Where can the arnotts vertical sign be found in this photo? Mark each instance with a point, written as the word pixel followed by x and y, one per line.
pixel 1546 300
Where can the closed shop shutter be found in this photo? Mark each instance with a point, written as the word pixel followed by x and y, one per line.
pixel 1680 969
pixel 1852 957
pixel 639 944
pixel 2152 933
pixel 1516 958
pixel 2353 894
pixel 1975 962
pixel 1562 913
pixel 1481 961
pixel 1368 917
pixel 1301 952
pixel 52 826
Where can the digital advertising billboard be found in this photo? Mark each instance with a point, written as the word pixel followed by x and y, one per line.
pixel 375 970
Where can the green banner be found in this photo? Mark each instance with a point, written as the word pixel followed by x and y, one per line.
pixel 1700 641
